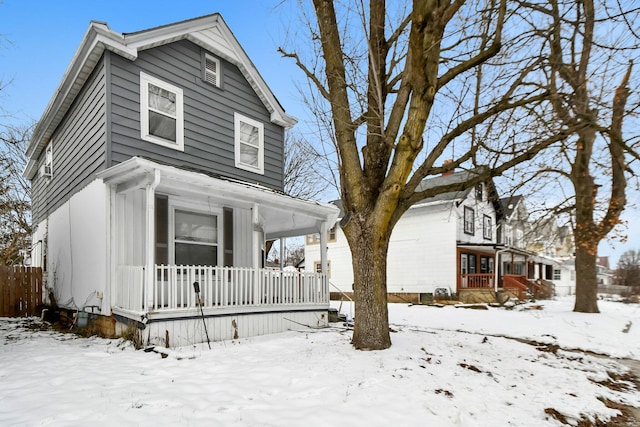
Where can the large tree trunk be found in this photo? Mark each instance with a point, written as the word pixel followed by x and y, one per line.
pixel 369 260
pixel 586 231
pixel 586 281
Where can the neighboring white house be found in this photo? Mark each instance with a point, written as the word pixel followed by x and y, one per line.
pixel 466 242
pixel 157 176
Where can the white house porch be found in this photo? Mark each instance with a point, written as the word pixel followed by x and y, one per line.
pixel 171 228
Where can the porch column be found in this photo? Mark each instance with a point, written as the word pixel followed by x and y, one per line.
pixel 324 227
pixel 258 238
pixel 281 253
pixel 150 247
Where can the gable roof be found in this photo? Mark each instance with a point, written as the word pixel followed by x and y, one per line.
pixel 452 196
pixel 210 32
pixel 509 204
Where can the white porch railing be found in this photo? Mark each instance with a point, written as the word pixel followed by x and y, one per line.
pixel 220 287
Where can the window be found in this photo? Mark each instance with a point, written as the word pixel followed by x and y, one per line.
pixel 508 235
pixel 211 70
pixel 519 238
pixel 331 234
pixel 469 220
pixel 487 232
pixel 195 238
pixel 557 275
pixel 313 239
pixel 464 269
pixel 249 144
pixel 317 267
pixel 479 192
pixel 47 167
pixel 161 113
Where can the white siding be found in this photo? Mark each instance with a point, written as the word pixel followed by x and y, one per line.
pixel 130 227
pixel 77 248
pixel 480 209
pixel 422 251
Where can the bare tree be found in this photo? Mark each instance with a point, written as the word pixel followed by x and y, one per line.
pixel 589 68
pixel 627 272
pixel 403 87
pixel 15 202
pixel 304 176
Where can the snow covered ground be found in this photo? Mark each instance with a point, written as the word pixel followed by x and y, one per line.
pixel 447 367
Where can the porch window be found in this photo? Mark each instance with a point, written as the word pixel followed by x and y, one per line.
pixel 161 112
pixel 557 274
pixel 486 264
pixel 196 238
pixel 487 232
pixel 249 144
pixel 469 220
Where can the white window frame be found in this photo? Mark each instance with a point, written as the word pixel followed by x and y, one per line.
pixel 206 73
pixel 469 224
pixel 487 230
pixel 47 166
pixel 196 209
pixel 317 268
pixel 557 274
pixel 145 80
pixel 238 120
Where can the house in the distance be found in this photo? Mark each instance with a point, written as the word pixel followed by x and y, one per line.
pixel 157 177
pixel 469 243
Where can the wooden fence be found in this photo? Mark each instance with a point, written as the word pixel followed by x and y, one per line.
pixel 20 291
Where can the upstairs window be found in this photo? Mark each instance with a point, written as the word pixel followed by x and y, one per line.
pixel 249 144
pixel 479 192
pixel 211 70
pixel 469 220
pixel 487 232
pixel 161 112
pixel 47 166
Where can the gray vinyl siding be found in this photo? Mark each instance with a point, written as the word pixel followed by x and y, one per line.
pixel 208 114
pixel 78 149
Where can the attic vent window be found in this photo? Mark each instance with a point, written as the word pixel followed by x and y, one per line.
pixel 212 70
pixel 161 113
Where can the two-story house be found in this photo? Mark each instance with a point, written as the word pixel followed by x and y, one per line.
pixel 157 177
pixel 444 244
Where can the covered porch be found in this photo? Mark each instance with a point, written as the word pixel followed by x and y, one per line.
pixel 496 268
pixel 187 245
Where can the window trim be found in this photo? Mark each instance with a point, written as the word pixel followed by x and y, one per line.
pixel 472 226
pixel 145 80
pixel 479 191
pixel 196 209
pixel 317 265
pixel 487 230
pixel 205 72
pixel 48 162
pixel 238 119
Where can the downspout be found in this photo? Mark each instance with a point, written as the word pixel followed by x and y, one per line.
pixel 150 191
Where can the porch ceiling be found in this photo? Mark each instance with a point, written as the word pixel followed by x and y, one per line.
pixel 281 215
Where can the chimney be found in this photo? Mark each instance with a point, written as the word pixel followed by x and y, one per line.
pixel 447 162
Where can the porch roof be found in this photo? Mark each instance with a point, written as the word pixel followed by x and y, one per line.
pixel 494 248
pixel 282 215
